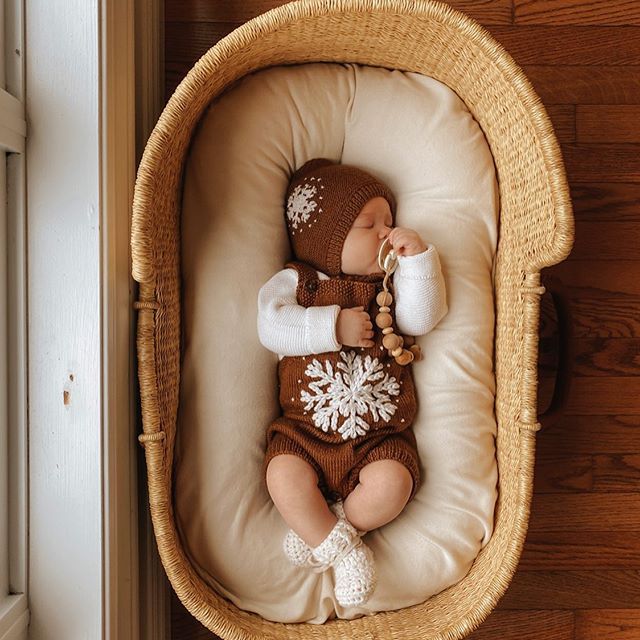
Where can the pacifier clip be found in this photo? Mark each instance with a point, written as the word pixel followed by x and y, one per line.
pixel 388 262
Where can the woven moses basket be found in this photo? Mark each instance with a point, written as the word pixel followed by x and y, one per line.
pixel 535 231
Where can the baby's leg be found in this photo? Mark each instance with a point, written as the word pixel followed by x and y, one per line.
pixel 293 486
pixel 382 493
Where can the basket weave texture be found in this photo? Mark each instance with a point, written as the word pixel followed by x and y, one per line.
pixel 535 231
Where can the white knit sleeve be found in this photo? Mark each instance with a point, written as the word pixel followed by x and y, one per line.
pixel 421 300
pixel 289 329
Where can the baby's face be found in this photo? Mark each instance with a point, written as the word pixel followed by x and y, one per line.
pixel 369 229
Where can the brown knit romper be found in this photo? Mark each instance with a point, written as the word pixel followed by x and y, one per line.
pixel 324 422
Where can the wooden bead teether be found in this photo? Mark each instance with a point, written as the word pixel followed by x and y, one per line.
pixel 383 320
pixel 388 262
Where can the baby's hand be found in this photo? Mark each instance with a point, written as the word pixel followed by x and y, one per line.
pixel 353 327
pixel 406 242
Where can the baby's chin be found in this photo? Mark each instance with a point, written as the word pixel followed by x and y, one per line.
pixel 364 270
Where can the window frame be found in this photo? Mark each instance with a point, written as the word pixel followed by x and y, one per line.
pixel 14 613
pixel 97 45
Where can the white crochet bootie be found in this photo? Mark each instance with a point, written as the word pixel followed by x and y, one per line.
pixel 297 550
pixel 352 561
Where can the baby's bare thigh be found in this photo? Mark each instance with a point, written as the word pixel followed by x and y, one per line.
pixel 287 468
pixel 389 477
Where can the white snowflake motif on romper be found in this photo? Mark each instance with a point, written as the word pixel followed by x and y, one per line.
pixel 362 386
pixel 301 204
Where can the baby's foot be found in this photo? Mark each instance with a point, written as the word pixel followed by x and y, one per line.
pixel 355 576
pixel 352 561
pixel 296 549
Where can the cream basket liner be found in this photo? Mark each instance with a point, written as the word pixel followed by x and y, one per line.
pixel 535 231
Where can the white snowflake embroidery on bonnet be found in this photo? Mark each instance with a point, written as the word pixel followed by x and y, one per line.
pixel 301 203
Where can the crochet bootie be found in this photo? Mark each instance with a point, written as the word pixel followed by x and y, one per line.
pixel 297 550
pixel 352 562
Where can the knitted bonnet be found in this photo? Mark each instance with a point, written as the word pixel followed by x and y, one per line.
pixel 322 201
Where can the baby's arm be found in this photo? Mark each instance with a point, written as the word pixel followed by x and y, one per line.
pixel 420 294
pixel 289 329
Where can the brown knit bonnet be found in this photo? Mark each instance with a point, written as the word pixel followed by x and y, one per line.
pixel 323 200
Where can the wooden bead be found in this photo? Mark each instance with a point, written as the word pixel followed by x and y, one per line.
pixel 405 358
pixel 391 341
pixel 387 330
pixel 384 298
pixel 416 350
pixel 409 340
pixel 383 320
pixel 396 352
pixel 385 309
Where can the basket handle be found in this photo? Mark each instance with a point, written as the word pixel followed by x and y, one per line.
pixel 561 302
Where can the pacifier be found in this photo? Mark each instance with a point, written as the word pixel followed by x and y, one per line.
pixel 387 257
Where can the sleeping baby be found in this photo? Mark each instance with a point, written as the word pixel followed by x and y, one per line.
pixel 342 458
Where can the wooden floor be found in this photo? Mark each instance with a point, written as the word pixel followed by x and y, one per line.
pixel 579 577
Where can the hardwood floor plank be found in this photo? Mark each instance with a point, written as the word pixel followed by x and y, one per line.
pixel 611 624
pixel 219 11
pixel 601 201
pixel 606 317
pixel 606 123
pixel 585 512
pixel 563 473
pixel 174 73
pixel 580 550
pixel 616 473
pixel 600 278
pixel 585 85
pixel 606 240
pixel 571 45
pixel 188 41
pixel 484 11
pixel 611 12
pixel 615 589
pixel 604 396
pixel 563 118
pixel 606 357
pixel 592 317
pixel 602 163
pixel 526 625
pixel 601 473
pixel 588 434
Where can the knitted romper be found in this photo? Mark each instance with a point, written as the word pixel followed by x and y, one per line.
pixel 345 409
